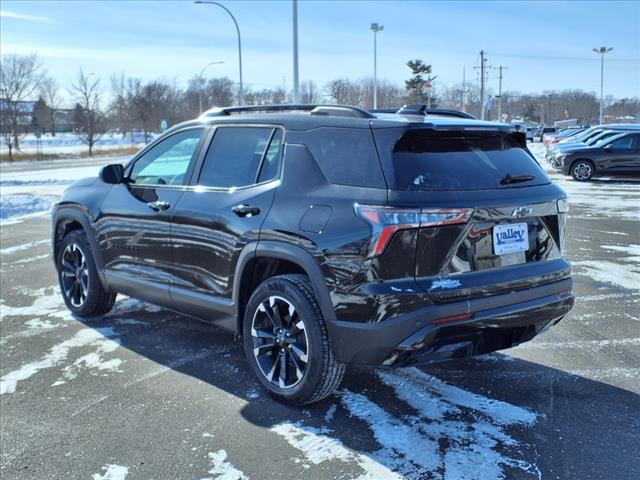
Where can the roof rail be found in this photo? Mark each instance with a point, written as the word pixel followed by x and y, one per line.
pixel 333 110
pixel 420 109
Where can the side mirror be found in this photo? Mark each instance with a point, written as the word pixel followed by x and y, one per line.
pixel 608 147
pixel 113 173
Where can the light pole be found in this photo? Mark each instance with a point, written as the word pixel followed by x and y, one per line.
pixel 240 92
pixel 200 86
pixel 296 82
pixel 602 51
pixel 375 28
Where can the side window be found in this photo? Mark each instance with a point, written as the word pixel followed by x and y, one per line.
pixel 269 169
pixel 234 156
pixel 166 163
pixel 346 156
pixel 623 143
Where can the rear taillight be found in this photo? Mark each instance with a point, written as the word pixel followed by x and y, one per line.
pixel 385 221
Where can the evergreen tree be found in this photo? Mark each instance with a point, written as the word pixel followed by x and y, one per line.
pixel 41 119
pixel 415 86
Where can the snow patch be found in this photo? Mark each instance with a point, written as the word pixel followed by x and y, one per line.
pixel 40 324
pixel 615 233
pixel 625 276
pixel 130 321
pixel 222 469
pixel 252 394
pixel 57 355
pixel 13 207
pixel 94 360
pixel 47 303
pixel 628 249
pixel 331 411
pixel 581 344
pixel 29 259
pixel 476 429
pixel 24 246
pixel 478 445
pixel 112 472
pixel 319 447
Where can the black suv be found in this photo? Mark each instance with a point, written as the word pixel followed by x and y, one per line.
pixel 617 152
pixel 326 236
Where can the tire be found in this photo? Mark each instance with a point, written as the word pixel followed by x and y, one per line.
pixel 80 285
pixel 582 170
pixel 269 308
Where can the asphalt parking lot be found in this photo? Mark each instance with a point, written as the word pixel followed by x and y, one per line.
pixel 144 393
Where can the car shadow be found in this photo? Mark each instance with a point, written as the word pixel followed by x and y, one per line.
pixel 492 417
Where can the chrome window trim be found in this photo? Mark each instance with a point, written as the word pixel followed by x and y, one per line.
pixel 214 128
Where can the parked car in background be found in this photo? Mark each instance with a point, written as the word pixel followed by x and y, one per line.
pixel 530 134
pixel 617 154
pixel 552 138
pixel 546 133
pixel 325 236
pixel 589 137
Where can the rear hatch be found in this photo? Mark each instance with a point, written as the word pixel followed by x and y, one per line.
pixel 489 219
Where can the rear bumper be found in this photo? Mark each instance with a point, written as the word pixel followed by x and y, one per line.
pixel 497 322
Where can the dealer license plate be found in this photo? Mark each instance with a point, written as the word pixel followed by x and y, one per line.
pixel 510 238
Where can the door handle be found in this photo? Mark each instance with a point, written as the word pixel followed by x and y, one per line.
pixel 245 210
pixel 158 206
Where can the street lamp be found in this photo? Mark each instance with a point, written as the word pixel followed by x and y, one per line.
pixel 200 87
pixel 240 92
pixel 602 51
pixel 375 28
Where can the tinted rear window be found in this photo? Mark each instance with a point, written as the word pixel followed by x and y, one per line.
pixel 346 156
pixel 424 160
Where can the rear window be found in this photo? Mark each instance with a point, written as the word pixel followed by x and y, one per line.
pixel 424 160
pixel 346 156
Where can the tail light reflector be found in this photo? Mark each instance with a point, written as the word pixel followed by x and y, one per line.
pixel 454 318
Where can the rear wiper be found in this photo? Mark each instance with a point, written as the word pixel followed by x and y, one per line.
pixel 508 178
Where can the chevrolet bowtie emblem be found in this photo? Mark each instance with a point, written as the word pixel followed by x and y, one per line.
pixel 521 212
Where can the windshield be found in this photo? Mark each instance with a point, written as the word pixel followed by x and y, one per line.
pixel 462 160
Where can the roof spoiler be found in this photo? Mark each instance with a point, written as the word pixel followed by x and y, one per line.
pixel 421 109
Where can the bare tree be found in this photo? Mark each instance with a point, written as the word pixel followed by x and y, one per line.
pixel 309 92
pixel 50 93
pixel 219 92
pixel 20 76
pixel 119 117
pixel 265 96
pixel 88 94
pixel 344 91
pixel 147 105
pixel 389 95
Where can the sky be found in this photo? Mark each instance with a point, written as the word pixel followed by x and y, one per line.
pixel 543 45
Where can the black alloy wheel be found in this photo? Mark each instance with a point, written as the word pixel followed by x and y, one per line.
pixel 82 290
pixel 280 343
pixel 74 275
pixel 286 341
